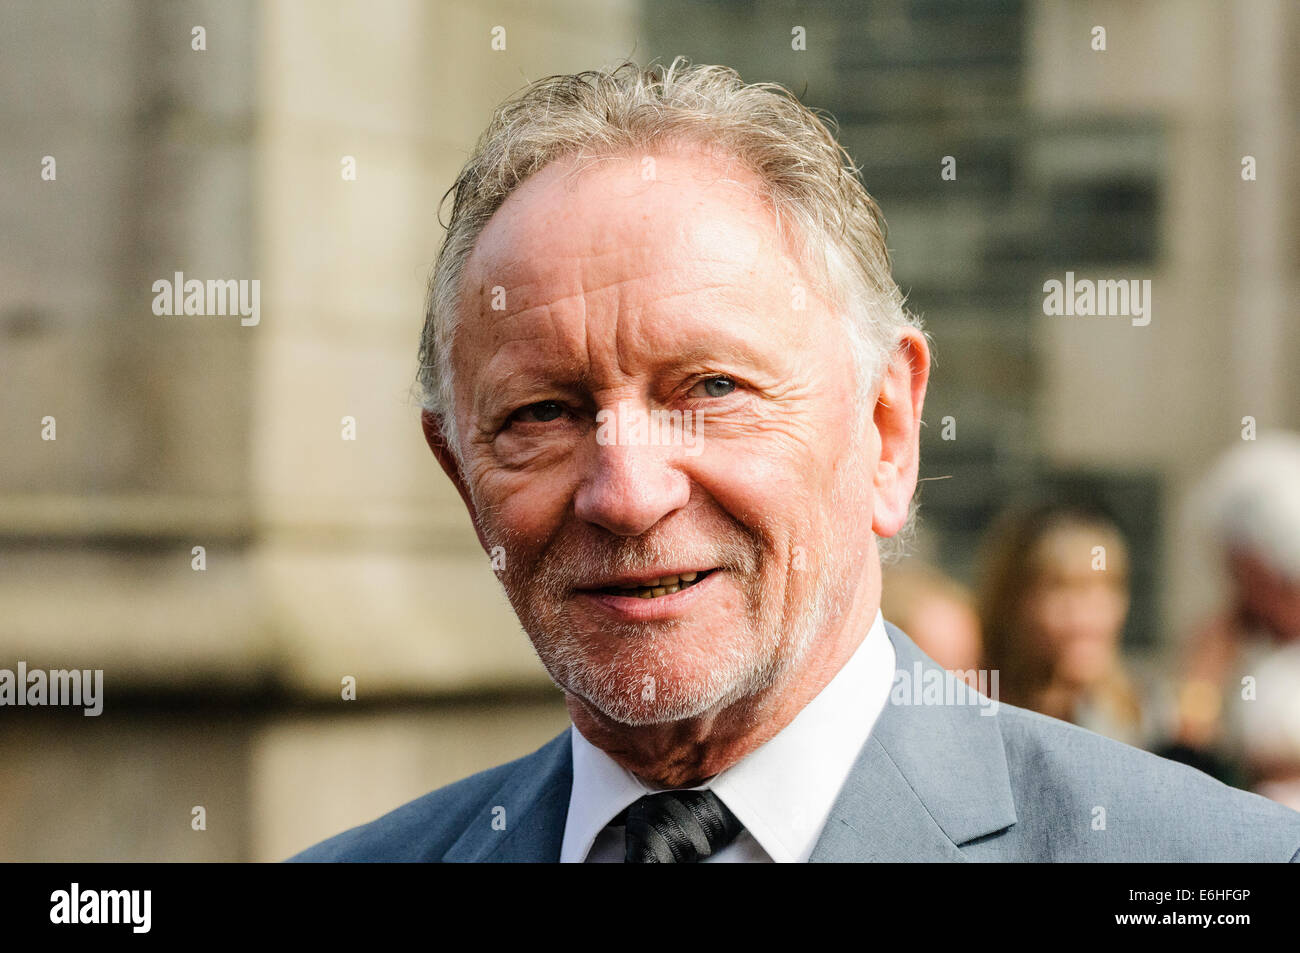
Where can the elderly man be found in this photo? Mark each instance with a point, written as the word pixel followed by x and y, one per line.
pixel 670 374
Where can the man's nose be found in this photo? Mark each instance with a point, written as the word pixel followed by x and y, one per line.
pixel 631 488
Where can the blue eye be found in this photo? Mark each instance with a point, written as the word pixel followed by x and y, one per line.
pixel 716 386
pixel 540 413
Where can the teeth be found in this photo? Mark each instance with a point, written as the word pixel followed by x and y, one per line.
pixel 665 586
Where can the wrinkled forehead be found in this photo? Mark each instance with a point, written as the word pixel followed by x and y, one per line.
pixel 578 223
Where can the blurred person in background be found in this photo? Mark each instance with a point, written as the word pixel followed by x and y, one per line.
pixel 937 612
pixel 1239 698
pixel 1053 597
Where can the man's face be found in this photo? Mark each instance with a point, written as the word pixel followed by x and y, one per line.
pixel 593 302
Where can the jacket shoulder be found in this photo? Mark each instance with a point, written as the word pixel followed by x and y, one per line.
pixel 1081 796
pixel 420 830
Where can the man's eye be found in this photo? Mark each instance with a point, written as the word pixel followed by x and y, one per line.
pixel 714 387
pixel 540 413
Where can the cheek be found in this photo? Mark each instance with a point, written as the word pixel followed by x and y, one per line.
pixel 1038 615
pixel 791 459
pixel 529 506
pixel 773 492
pixel 1114 609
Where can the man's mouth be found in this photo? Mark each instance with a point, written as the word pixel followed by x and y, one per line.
pixel 655 587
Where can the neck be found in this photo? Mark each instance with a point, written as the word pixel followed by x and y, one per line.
pixel 686 753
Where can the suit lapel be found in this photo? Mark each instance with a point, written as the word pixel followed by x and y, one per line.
pixel 930 777
pixel 879 818
pixel 535 797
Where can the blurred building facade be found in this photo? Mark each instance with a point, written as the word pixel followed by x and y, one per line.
pixel 326 559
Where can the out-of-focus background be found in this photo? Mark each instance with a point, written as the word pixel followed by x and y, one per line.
pixel 326 558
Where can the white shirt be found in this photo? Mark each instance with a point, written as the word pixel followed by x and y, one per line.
pixel 782 791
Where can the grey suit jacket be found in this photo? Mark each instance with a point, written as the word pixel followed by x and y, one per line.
pixel 937 782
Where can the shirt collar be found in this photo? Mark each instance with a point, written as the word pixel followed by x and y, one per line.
pixel 784 790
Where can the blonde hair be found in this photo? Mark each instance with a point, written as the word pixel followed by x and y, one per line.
pixel 1010 561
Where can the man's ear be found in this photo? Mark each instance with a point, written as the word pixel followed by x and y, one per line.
pixel 897 419
pixel 432 425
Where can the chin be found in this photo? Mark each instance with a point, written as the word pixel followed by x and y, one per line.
pixel 652 682
pixel 1087 674
pixel 636 714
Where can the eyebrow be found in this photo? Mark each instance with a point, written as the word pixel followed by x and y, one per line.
pixel 491 389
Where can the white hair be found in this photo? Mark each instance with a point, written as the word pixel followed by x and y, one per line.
pixel 1250 500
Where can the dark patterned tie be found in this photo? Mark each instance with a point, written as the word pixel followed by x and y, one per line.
pixel 677 827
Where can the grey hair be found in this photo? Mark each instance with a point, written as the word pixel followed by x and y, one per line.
pixel 1250 500
pixel 809 180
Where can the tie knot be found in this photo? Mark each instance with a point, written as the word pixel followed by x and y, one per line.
pixel 678 827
